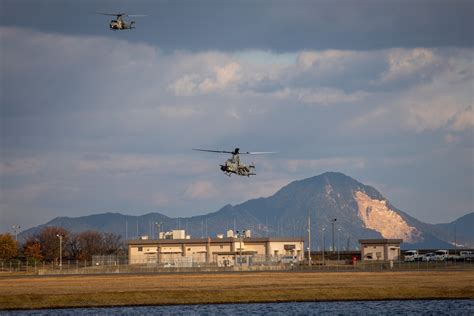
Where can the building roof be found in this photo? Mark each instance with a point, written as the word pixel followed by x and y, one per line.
pixel 380 241
pixel 213 240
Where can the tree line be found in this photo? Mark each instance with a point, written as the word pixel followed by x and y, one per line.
pixel 45 245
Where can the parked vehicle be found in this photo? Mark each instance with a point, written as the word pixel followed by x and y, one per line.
pixel 430 256
pixel 411 255
pixel 466 255
pixel 441 255
pixel 289 259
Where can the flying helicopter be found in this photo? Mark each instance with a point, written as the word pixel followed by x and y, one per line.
pixel 233 164
pixel 119 23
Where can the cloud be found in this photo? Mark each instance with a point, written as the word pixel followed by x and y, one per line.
pixel 405 63
pixel 178 112
pixel 139 164
pixel 20 166
pixel 335 163
pixel 442 100
pixel 201 190
pixel 106 124
pixel 222 78
pixel 329 96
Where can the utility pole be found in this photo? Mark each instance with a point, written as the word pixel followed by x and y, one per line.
pixel 333 222
pixel 324 244
pixel 241 236
pixel 338 245
pixel 309 240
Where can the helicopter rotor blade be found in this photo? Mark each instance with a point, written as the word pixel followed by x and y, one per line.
pixel 214 151
pixel 259 152
pixel 112 14
pixel 136 15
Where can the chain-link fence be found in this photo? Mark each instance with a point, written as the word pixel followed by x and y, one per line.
pixel 115 264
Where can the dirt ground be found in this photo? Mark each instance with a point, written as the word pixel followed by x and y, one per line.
pixel 27 292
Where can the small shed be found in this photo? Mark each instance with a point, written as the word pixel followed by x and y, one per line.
pixel 380 249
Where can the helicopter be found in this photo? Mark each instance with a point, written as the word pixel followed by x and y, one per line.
pixel 233 164
pixel 119 23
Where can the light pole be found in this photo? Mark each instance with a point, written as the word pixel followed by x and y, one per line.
pixel 16 229
pixel 324 245
pixel 333 222
pixel 60 251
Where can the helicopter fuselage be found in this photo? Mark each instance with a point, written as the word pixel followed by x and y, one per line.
pixel 233 166
pixel 119 24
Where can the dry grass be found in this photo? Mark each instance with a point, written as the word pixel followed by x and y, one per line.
pixel 153 289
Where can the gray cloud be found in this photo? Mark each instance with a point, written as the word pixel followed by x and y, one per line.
pixel 92 124
pixel 264 25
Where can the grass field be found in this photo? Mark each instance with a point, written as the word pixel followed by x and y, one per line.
pixel 156 289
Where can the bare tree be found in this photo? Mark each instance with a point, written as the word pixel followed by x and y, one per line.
pixel 112 244
pixel 49 241
pixel 73 246
pixel 91 243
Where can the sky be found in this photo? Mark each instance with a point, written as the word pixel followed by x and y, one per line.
pixel 96 121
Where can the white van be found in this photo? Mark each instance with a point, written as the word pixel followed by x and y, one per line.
pixel 441 255
pixel 411 255
pixel 289 259
pixel 466 255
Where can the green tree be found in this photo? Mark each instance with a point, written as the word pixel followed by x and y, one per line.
pixel 8 247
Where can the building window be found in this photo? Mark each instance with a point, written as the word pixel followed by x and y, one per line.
pixel 140 249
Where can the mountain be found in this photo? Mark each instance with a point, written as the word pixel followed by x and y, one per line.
pixel 460 230
pixel 341 210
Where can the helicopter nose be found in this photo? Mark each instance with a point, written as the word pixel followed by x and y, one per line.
pixel 223 168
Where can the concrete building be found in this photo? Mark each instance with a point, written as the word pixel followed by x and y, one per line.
pixel 380 249
pixel 223 251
